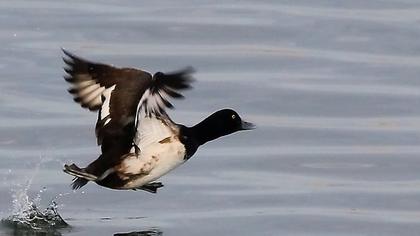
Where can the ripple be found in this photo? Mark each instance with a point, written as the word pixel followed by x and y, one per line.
pixel 328 165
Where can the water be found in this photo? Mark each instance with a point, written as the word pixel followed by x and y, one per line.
pixel 332 86
pixel 26 218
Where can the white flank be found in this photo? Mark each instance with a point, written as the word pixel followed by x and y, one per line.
pixel 153 162
pixel 155 158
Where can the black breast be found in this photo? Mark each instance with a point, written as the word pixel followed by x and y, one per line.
pixel 187 138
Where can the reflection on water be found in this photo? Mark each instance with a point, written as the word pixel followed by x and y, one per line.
pixel 151 232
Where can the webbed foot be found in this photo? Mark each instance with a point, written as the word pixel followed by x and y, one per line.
pixel 79 172
pixel 151 188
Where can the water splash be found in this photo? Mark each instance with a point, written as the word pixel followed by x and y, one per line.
pixel 32 218
pixel 27 217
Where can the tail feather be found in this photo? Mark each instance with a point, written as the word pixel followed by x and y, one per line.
pixel 78 183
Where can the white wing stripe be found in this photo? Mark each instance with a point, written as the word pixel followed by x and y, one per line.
pixel 105 106
pixel 91 96
pixel 88 90
pixel 83 84
pixel 95 102
pixel 152 103
pixel 140 105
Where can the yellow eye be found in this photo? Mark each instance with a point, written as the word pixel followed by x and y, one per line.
pixel 233 117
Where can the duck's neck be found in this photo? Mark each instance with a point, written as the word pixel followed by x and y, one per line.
pixel 206 131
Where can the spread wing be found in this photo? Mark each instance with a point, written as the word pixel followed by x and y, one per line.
pixel 118 93
pixel 153 125
pixel 113 92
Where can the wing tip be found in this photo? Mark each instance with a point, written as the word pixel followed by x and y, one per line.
pixel 166 86
pixel 67 53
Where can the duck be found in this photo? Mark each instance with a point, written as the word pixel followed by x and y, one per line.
pixel 139 142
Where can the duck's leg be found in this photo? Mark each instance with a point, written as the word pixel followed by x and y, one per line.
pixel 151 188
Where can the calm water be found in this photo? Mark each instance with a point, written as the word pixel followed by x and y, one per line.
pixel 334 88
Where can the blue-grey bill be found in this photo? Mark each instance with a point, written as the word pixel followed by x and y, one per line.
pixel 247 125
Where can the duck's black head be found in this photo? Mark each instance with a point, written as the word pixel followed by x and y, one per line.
pixel 218 124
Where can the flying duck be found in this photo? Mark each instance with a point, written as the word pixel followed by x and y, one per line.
pixel 139 141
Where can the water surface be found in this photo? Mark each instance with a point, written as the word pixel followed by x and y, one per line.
pixel 332 86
